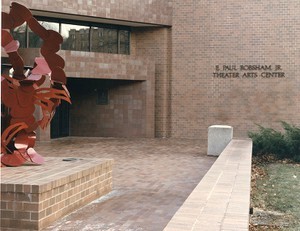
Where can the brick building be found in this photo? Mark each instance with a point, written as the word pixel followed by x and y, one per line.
pixel 166 68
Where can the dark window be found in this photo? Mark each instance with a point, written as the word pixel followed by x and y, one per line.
pixel 19 33
pixel 97 39
pixel 111 41
pixel 124 42
pixel 75 37
pixel 104 40
pixel 102 96
pixel 34 40
pixel 79 36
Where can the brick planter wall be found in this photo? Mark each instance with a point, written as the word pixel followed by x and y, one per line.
pixel 32 197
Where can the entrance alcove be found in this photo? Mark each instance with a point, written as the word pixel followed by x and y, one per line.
pixel 106 107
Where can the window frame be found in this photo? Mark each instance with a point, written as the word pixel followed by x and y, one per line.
pixel 61 21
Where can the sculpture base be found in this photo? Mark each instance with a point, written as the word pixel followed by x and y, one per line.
pixel 32 197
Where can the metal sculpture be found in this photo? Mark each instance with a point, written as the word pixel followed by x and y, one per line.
pixel 21 90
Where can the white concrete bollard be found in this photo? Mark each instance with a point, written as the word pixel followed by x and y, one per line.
pixel 219 137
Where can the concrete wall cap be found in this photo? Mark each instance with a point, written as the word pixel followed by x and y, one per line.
pixel 220 126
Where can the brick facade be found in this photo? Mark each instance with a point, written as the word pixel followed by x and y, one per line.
pixel 156 45
pixel 147 11
pixel 211 61
pixel 130 111
pixel 210 33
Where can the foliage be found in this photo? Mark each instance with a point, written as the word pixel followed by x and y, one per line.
pixel 283 145
pixel 292 138
pixel 274 196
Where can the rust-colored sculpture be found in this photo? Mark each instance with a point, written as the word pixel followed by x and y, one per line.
pixel 21 91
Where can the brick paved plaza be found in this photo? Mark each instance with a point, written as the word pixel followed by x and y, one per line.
pixel 151 180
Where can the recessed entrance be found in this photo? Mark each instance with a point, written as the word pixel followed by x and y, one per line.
pixel 105 108
pixel 60 124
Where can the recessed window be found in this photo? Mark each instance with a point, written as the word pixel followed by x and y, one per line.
pixel 104 40
pixel 36 41
pixel 79 36
pixel 75 37
pixel 19 33
pixel 124 41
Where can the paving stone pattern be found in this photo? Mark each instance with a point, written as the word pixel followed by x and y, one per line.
pixel 151 180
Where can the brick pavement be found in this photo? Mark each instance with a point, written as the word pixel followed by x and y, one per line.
pixel 151 177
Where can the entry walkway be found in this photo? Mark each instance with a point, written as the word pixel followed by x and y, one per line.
pixel 151 180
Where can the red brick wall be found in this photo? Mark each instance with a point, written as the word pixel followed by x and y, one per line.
pixel 123 116
pixel 130 112
pixel 133 117
pixel 210 33
pixel 204 34
pixel 148 11
pixel 155 43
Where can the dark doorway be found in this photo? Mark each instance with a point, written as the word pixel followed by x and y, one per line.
pixel 107 107
pixel 60 122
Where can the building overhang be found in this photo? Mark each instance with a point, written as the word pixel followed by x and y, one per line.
pixel 85 18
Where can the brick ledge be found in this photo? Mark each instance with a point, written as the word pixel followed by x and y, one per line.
pixel 221 200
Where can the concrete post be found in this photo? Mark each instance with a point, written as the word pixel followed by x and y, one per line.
pixel 219 137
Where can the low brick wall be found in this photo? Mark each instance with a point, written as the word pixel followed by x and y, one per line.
pixel 221 200
pixel 32 197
